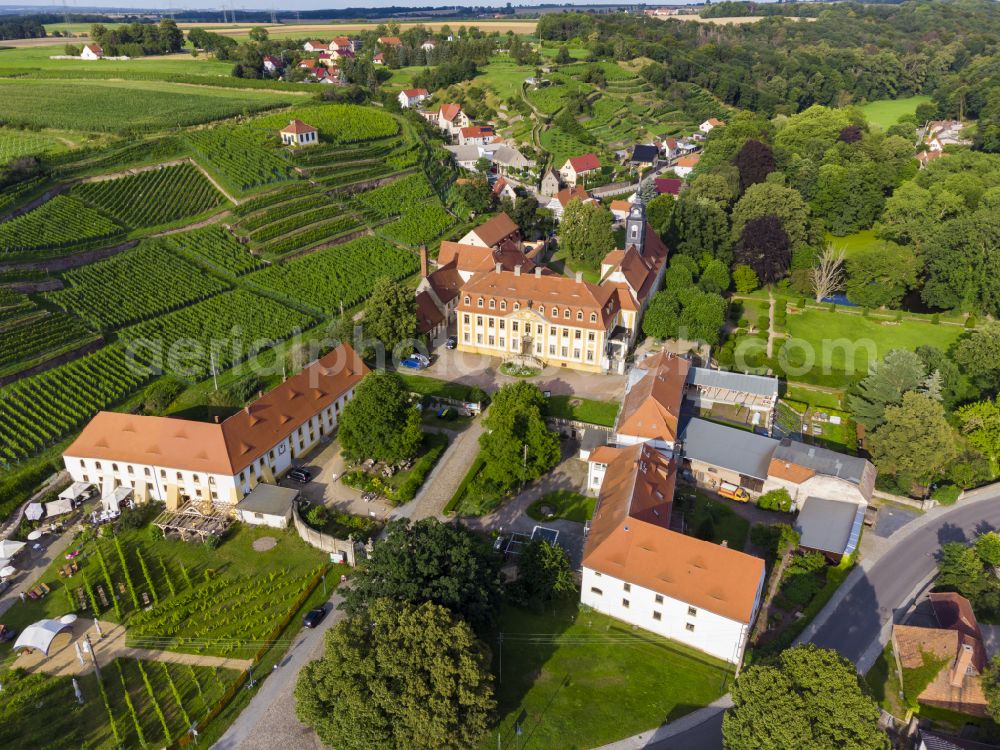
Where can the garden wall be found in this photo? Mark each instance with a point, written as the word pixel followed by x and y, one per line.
pixel 322 541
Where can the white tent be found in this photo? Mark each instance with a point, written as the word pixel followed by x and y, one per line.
pixel 76 491
pixel 34 512
pixel 39 636
pixel 113 500
pixel 9 548
pixel 58 507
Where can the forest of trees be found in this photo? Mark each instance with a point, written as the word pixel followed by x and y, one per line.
pixel 137 39
pixel 850 53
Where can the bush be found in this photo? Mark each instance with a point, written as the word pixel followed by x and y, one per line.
pixel 317 516
pixel 778 500
pixel 801 303
pixel 212 541
pixel 936 319
pixel 743 323
pixel 946 494
pixel 801 588
pixel 971 322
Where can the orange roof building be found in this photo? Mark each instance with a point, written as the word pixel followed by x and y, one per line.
pixel 176 460
pixel 501 228
pixel 636 569
pixel 298 133
pixel 651 408
pixel 957 644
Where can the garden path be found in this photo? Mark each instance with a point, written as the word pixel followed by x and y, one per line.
pixel 770 325
pixel 63 660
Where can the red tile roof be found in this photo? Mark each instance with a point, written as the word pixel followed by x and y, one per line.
pixel 478 131
pixel 450 111
pixel 429 316
pixel 630 539
pixel 566 195
pixel 411 93
pixel 668 185
pixel 231 446
pixel 584 163
pixel 652 406
pixel 297 127
pixel 496 229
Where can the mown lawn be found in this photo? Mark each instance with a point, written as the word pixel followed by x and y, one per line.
pixel 849 343
pixel 587 410
pixel 578 679
pixel 566 504
pixel 886 112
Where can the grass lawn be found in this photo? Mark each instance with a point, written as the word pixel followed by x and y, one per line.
pixel 884 684
pixel 154 66
pixel 580 679
pixel 820 399
pixel 700 510
pixel 886 112
pixel 562 264
pixel 566 504
pixel 849 343
pixel 505 78
pixel 858 242
pixel 583 410
pixel 425 386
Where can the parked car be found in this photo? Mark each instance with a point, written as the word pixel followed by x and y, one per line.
pixel 446 412
pixel 314 617
pixel 422 359
pixel 412 363
pixel 451 343
pixel 734 492
pixel 300 475
pixel 7 634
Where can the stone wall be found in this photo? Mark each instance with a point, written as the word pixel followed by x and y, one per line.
pixel 322 541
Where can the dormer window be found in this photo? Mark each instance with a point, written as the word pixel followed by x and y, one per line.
pixel 493 304
pixel 579 314
pixel 517 305
pixel 566 313
pixel 466 299
pixel 479 302
pixel 555 312
pixel 593 317
pixel 503 304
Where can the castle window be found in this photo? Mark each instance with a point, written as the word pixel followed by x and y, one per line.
pixel 579 314
pixel 493 304
pixel 503 304
pixel 593 317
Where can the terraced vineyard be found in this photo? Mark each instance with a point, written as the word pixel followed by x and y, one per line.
pixel 22 342
pixel 215 247
pixel 242 157
pixel 273 197
pixel 151 198
pixel 343 274
pixel 423 223
pixel 310 236
pixel 134 285
pixel 64 222
pixel 38 411
pixel 337 123
pixel 16 143
pixel 397 197
pixel 234 325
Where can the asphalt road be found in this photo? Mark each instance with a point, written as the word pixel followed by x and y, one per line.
pixel 855 624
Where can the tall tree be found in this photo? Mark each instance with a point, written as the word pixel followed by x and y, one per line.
pixel 430 561
pixel 978 354
pixel 771 199
pixel 899 372
pixel 544 575
pixel 391 314
pixel 699 226
pixel 980 423
pixel 585 232
pixel 915 440
pixel 809 698
pixel 393 676
pixel 827 275
pixel 764 247
pixel 755 161
pixel 380 421
pixel 881 276
pixel 517 446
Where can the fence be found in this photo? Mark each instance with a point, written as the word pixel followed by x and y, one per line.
pixel 322 541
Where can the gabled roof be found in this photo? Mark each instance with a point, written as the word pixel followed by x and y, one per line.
pixel 271 59
pixel 792 458
pixel 231 446
pixel 446 283
pixel 307 63
pixel 496 229
pixel 391 41
pixel 688 161
pixel 95 48
pixel 269 499
pixel 630 539
pixel 652 404
pixel 954 612
pixel 475 259
pixel 477 131
pixel 499 185
pixel 297 127
pixel 668 185
pixel 566 195
pixel 450 111
pixel 511 157
pixel 412 93
pixel 643 153
pixel 830 525
pixel 315 43
pixel 429 315
pixel 758 385
pixel 341 41
pixel 737 450
pixel 584 163
pixel 714 121
pixel 670 143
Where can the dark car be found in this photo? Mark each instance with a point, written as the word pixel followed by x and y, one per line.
pixel 7 634
pixel 300 475
pixel 451 343
pixel 314 617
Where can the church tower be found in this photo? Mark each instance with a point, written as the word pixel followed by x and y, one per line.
pixel 635 224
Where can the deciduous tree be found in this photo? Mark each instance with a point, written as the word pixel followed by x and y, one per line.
pixel 380 422
pixel 980 423
pixel 755 161
pixel 915 440
pixel 517 446
pixel 978 354
pixel 397 676
pixel 544 575
pixel 585 232
pixel 881 276
pixel 808 698
pixel 430 561
pixel 765 248
pixel 391 314
pixel 827 275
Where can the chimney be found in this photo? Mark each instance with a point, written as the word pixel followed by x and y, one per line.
pixel 499 267
pixel 423 261
pixel 579 277
pixel 517 270
pixel 538 272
